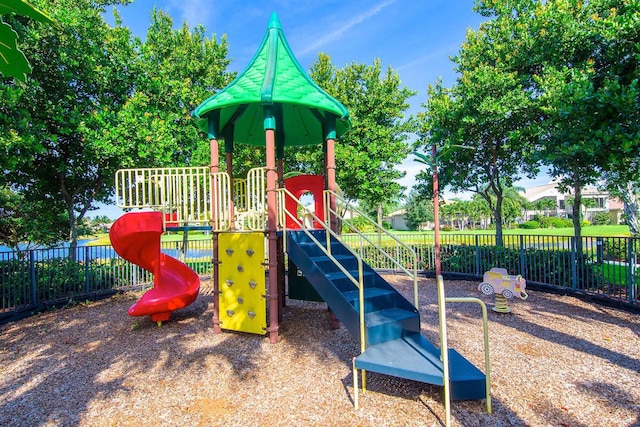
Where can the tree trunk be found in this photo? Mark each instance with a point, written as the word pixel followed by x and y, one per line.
pixel 73 233
pixel 631 201
pixel 576 210
pixel 498 218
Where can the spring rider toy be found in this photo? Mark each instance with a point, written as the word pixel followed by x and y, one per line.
pixel 497 281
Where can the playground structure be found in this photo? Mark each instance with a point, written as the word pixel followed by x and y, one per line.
pixel 257 219
pixel 504 286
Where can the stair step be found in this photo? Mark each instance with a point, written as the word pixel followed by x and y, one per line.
pixel 387 315
pixel 374 298
pixel 415 358
pixel 390 324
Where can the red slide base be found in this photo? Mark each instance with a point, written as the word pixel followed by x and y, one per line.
pixel 136 238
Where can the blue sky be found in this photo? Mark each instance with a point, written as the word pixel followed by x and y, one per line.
pixel 415 37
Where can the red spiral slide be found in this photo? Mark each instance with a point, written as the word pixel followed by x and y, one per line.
pixel 136 238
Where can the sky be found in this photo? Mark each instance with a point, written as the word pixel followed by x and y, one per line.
pixel 416 38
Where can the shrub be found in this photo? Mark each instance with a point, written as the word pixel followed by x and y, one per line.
pixel 530 225
pixel 585 223
pixel 602 218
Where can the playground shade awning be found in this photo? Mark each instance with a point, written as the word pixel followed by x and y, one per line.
pixel 273 92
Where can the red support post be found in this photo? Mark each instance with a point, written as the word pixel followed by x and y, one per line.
pixel 272 237
pixel 214 168
pixel 436 213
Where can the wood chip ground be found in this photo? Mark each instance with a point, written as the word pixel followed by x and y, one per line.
pixel 556 361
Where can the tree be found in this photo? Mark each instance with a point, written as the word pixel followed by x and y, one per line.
pixel 418 210
pixel 79 72
pixel 367 155
pixel 22 221
pixel 14 63
pixel 582 65
pixel 102 100
pixel 175 70
pixel 483 127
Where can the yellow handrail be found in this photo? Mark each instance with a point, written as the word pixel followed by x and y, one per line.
pixel 442 300
pixel 257 199
pixel 359 283
pixel 413 274
pixel 185 193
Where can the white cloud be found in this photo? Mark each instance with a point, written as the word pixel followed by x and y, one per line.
pixel 193 11
pixel 343 28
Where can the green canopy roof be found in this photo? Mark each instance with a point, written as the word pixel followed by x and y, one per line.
pixel 273 92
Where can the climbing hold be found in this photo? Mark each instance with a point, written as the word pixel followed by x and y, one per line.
pixel 230 313
pixel 229 251
pixel 240 300
pixel 250 252
pixel 253 284
pixel 251 314
pixel 240 269
pixel 229 282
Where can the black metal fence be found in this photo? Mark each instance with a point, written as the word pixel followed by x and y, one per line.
pixel 605 268
pixel 34 280
pixel 602 267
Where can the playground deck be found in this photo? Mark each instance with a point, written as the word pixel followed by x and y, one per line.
pixel 555 361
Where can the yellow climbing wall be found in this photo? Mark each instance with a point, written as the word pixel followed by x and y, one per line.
pixel 242 282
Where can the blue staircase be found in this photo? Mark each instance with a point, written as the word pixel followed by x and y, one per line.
pixel 394 344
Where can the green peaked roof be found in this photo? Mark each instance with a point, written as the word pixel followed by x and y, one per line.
pixel 273 91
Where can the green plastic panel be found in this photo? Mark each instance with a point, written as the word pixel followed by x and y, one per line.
pixel 274 76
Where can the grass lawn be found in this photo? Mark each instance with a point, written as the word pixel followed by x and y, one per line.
pixel 103 238
pixel 592 231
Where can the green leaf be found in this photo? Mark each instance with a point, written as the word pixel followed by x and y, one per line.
pixel 23 8
pixel 13 63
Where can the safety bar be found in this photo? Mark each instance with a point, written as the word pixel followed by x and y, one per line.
pixel 327 250
pixel 184 194
pixel 413 274
pixel 444 354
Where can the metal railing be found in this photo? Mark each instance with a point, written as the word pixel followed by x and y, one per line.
pixel 395 253
pixel 607 269
pixel 182 193
pixel 444 353
pixel 31 281
pixel 325 247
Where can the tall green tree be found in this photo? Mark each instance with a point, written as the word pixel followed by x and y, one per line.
pixel 175 70
pixel 418 210
pixel 100 100
pixel 79 71
pixel 582 62
pixel 367 156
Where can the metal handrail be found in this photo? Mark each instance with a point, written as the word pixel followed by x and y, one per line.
pixel 413 257
pixel 182 192
pixel 327 251
pixel 444 354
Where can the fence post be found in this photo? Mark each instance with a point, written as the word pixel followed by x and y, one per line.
pixel 574 267
pixel 631 276
pixel 86 269
pixel 32 278
pixel 478 259
pixel 523 263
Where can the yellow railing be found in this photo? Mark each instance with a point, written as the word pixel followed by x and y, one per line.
pixel 326 249
pixel 403 254
pixel 184 193
pixel 256 211
pixel 240 194
pixel 444 353
pixel 221 196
